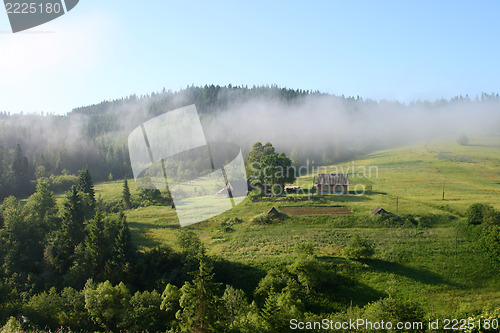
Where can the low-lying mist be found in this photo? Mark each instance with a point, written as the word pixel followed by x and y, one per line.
pixel 306 126
pixel 333 128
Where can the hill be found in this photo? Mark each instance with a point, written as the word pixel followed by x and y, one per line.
pixel 423 255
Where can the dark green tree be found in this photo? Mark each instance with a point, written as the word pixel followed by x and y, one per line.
pixel 61 247
pixel 199 302
pixel 358 248
pixel 151 197
pixel 265 166
pixel 236 308
pixel 491 244
pixel 278 309
pixel 86 189
pixel 126 195
pixel 41 205
pixel 96 246
pixel 145 314
pixel 85 184
pixel 20 173
pixel 73 217
pixel 21 240
pixel 107 305
pixel 119 266
pixel 394 310
pixel 476 213
pixel 192 249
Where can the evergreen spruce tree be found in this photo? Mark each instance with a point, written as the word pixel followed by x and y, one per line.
pixel 86 189
pixel 20 173
pixel 61 249
pixel 126 195
pixel 95 246
pixel 85 184
pixel 119 267
pixel 41 205
pixel 73 217
pixel 199 302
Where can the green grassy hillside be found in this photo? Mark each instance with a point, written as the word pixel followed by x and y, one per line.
pixel 427 257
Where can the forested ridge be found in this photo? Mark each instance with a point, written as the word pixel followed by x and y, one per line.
pixel 96 136
pixel 47 145
pixel 71 263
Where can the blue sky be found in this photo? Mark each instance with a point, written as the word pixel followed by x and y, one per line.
pixel 396 50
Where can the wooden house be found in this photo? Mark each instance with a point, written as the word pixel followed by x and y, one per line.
pixel 333 183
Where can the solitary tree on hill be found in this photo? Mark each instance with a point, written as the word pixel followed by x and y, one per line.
pixel 85 184
pixel 126 195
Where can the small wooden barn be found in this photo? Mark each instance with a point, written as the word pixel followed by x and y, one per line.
pixel 333 183
pixel 379 210
pixel 272 211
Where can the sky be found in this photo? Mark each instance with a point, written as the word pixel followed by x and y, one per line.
pixel 394 50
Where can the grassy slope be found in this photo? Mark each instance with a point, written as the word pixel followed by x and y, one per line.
pixel 415 263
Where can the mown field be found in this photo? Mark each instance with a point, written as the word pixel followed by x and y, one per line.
pixel 433 261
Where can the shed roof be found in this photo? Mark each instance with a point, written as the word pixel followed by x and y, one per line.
pixel 333 179
pixel 272 211
pixel 378 210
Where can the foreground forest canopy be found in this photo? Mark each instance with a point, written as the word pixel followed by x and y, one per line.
pixel 83 249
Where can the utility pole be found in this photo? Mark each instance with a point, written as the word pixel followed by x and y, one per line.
pixel 397 205
pixel 443 188
pixel 455 247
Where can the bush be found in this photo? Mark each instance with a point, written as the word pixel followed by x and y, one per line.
pixel 306 248
pixel 225 226
pixel 255 195
pixel 476 213
pixel 358 248
pixel 62 183
pixel 262 219
pixel 394 310
pixel 489 321
pixel 393 220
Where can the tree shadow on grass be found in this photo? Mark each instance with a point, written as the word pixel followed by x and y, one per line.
pixel 141 233
pixel 239 275
pixel 420 275
pixel 344 288
pixel 334 198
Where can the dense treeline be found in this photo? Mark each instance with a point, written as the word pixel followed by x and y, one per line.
pixel 46 145
pixel 34 146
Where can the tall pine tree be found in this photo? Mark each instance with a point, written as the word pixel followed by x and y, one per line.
pixel 199 302
pixel 86 189
pixel 95 246
pixel 20 173
pixel 119 267
pixel 126 195
pixel 61 249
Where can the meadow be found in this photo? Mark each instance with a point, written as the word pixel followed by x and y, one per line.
pixel 430 257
